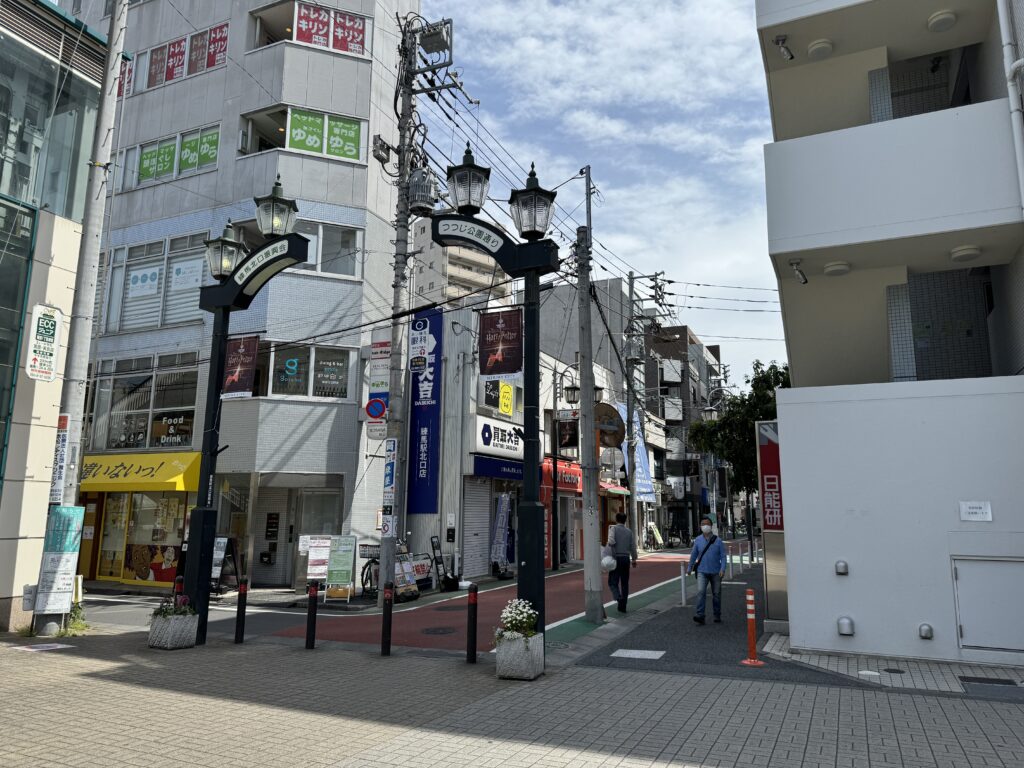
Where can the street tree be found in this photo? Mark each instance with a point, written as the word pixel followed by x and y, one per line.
pixel 731 436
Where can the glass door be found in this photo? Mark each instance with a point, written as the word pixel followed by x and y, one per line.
pixel 320 513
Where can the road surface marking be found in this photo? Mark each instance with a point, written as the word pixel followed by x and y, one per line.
pixel 627 653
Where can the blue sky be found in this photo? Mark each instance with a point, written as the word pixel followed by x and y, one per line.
pixel 667 103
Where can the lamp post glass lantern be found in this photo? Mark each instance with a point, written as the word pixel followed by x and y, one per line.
pixel 598 394
pixel 572 394
pixel 468 184
pixel 275 213
pixel 531 208
pixel 223 253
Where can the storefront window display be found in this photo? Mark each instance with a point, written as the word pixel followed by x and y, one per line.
pixel 142 535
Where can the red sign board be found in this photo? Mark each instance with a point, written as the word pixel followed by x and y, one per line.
pixel 217 46
pixel 349 33
pixel 769 476
pixel 197 51
pixel 313 25
pixel 570 476
pixel 175 68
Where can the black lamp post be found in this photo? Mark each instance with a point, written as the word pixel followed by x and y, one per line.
pixel 531 210
pixel 240 274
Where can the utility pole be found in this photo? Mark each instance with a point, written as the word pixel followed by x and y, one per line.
pixel 556 552
pixel 433 38
pixel 76 367
pixel 630 430
pixel 592 587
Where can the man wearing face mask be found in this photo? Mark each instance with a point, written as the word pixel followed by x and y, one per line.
pixel 707 558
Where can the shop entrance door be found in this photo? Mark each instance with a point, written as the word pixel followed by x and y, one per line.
pixel 321 513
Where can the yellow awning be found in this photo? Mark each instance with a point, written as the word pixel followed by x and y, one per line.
pixel 141 472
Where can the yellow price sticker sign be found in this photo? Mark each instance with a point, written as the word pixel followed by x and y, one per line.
pixel 505 397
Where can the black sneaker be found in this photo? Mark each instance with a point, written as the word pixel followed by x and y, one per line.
pixel 698 619
pixel 718 619
pixel 622 606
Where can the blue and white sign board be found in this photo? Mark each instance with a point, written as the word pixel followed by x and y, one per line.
pixel 60 559
pixel 644 484
pixel 379 381
pixel 425 337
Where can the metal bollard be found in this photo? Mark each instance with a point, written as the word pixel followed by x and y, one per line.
pixel 385 624
pixel 682 579
pixel 179 587
pixel 311 616
pixel 243 596
pixel 729 555
pixel 751 660
pixel 471 625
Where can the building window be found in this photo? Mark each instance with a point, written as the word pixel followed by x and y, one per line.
pixel 304 372
pixel 333 249
pixel 168 62
pixel 314 25
pixel 178 155
pixel 137 407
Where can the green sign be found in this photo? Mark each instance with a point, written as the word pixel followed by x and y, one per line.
pixel 64 530
pixel 147 164
pixel 343 137
pixel 188 156
pixel 306 131
pixel 165 159
pixel 341 563
pixel 209 142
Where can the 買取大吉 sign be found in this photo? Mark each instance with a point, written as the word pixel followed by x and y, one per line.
pixel 425 414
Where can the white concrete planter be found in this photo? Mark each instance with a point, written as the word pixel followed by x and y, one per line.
pixel 171 632
pixel 521 658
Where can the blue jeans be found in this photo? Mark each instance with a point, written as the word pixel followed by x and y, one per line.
pixel 703 579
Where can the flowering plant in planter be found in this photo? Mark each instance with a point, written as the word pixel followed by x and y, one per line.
pixel 518 620
pixel 177 606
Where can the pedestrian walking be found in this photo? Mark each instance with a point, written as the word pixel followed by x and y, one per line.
pixel 707 558
pixel 622 543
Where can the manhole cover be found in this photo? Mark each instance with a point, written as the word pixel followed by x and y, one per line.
pixel 557 645
pixel 439 631
pixel 987 680
pixel 893 671
pixel 450 608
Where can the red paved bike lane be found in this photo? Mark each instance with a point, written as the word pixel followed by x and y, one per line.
pixel 443 624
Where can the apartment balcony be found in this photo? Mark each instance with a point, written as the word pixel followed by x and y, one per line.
pixel 899 192
pixel 674 409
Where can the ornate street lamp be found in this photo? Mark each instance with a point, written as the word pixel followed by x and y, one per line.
pixel 275 213
pixel 598 394
pixel 468 184
pixel 223 253
pixel 572 394
pixel 531 208
pixel 240 275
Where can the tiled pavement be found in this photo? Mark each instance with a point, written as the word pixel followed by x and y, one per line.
pixel 916 674
pixel 111 702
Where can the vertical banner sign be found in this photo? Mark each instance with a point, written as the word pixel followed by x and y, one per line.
pixel 644 483
pixel 425 413
pixel 217 48
pixel 387 518
pixel 770 476
pixel 499 538
pixel 44 343
pixel 60 559
pixel 500 344
pixel 379 381
pixel 240 367
pixel 60 460
pixel 175 68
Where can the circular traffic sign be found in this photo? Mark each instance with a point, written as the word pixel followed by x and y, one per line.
pixel 376 408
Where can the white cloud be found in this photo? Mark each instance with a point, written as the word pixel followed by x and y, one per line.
pixel 667 102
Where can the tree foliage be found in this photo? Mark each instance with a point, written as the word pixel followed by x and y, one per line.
pixel 731 437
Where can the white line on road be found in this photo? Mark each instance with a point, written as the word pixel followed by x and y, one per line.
pixel 627 653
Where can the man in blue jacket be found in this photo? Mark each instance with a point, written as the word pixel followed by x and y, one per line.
pixel 708 558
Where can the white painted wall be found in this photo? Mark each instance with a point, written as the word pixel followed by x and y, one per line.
pixel 872 475
pixel 939 172
pixel 771 12
pixel 1006 322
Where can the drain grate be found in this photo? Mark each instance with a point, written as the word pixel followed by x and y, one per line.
pixel 986 680
pixel 893 671
pixel 557 646
pixel 439 631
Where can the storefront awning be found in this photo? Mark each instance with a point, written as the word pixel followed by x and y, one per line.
pixel 141 472
pixel 610 489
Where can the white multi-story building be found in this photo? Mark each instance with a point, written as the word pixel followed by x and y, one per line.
pixel 895 229
pixel 439 273
pixel 221 99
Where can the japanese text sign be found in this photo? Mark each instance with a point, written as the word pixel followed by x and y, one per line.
pixel 770 475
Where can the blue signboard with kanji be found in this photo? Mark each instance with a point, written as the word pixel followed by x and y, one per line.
pixel 425 337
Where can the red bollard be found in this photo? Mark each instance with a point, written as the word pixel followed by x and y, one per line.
pixel 311 617
pixel 751 660
pixel 243 595
pixel 471 625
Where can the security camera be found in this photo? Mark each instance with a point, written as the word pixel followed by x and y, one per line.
pixel 799 273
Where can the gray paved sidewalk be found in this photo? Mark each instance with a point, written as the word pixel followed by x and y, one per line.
pixel 111 702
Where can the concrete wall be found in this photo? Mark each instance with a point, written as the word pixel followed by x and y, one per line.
pixel 939 172
pixel 1006 322
pixel 33 430
pixel 873 475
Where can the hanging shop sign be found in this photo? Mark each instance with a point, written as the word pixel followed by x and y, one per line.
pixel 240 367
pixel 60 559
pixel 769 475
pixel 499 438
pixel 500 344
pixel 499 537
pixel 642 475
pixel 425 414
pixel 44 343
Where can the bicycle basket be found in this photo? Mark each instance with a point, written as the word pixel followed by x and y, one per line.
pixel 369 551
